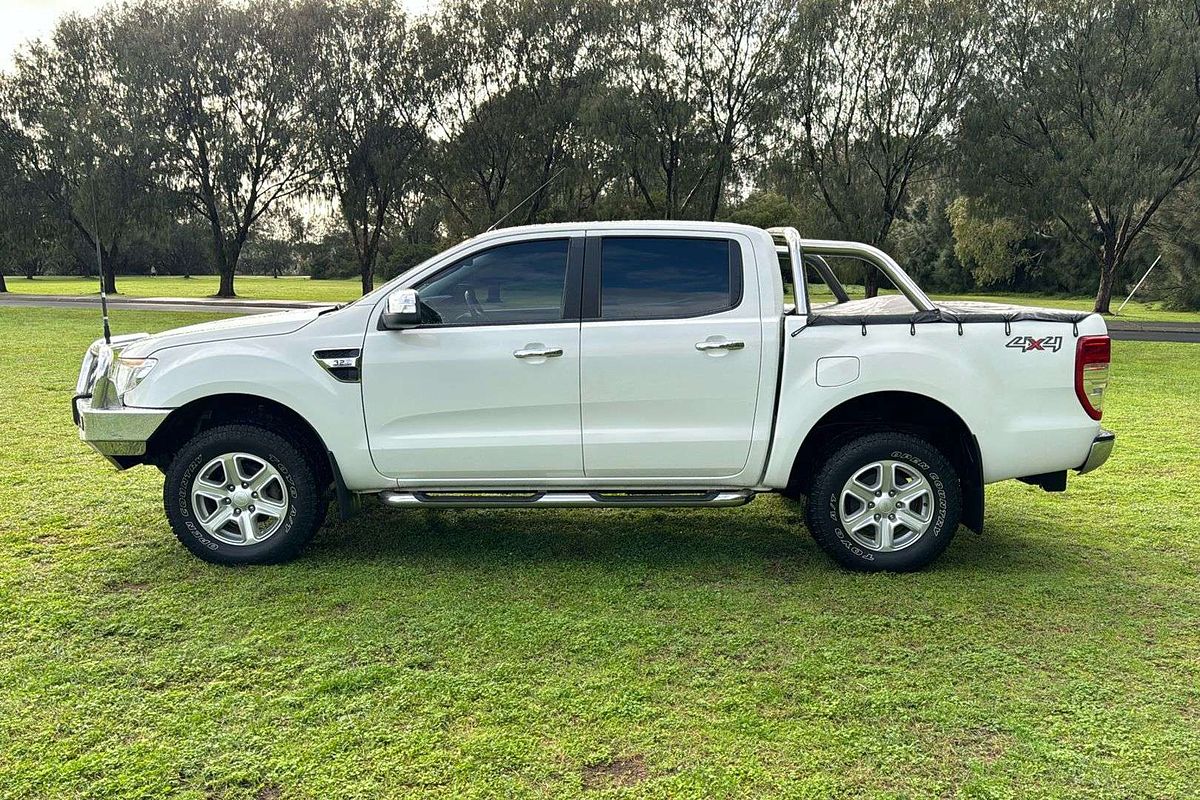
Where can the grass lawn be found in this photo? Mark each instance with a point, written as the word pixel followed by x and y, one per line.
pixel 254 287
pixel 616 653
pixel 257 287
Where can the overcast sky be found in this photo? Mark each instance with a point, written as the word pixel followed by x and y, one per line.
pixel 21 20
pixel 31 19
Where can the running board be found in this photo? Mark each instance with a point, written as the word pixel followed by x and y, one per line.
pixel 566 499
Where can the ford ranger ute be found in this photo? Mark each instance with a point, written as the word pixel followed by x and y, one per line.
pixel 624 365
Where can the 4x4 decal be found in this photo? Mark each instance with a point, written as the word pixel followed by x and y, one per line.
pixel 1028 343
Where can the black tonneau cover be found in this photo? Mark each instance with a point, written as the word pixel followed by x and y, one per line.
pixel 896 310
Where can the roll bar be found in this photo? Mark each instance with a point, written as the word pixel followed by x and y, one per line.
pixel 788 240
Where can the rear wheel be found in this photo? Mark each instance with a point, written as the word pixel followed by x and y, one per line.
pixel 241 494
pixel 885 501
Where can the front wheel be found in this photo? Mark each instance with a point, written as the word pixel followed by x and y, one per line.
pixel 885 502
pixel 241 494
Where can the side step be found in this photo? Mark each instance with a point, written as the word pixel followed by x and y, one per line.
pixel 567 499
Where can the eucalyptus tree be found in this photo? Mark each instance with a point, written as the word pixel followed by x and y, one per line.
pixel 516 76
pixel 80 155
pixel 654 112
pixel 371 105
pixel 877 89
pixel 743 69
pixel 696 86
pixel 10 187
pixel 219 89
pixel 1091 117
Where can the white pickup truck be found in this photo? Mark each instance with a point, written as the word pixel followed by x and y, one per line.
pixel 618 364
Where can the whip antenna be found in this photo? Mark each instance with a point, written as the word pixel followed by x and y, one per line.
pixel 100 263
pixel 545 183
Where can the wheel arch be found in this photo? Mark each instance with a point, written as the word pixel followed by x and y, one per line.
pixel 908 412
pixel 219 409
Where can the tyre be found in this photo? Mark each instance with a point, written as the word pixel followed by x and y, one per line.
pixel 885 502
pixel 242 494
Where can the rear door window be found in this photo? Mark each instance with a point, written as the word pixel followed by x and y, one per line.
pixel 648 277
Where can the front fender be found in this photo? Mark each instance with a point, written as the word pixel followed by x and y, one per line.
pixel 280 369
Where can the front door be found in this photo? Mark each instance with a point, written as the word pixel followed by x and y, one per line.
pixel 490 389
pixel 672 351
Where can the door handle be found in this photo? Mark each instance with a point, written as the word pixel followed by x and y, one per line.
pixel 544 352
pixel 724 345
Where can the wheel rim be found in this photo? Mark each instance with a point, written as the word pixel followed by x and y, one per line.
pixel 886 506
pixel 239 499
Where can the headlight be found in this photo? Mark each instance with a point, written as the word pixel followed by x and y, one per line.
pixel 129 372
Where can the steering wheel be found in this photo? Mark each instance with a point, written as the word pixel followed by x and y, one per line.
pixel 473 306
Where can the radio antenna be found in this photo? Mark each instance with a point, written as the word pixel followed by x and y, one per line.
pixel 100 263
pixel 526 200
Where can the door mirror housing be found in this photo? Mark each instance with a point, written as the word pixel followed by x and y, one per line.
pixel 403 310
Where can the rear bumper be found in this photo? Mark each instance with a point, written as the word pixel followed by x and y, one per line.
pixel 119 431
pixel 1101 449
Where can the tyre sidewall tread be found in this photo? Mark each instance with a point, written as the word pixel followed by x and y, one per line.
pixel 304 505
pixel 826 527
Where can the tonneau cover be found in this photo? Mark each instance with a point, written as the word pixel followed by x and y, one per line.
pixel 896 310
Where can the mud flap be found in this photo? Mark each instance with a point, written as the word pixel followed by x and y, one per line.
pixel 348 502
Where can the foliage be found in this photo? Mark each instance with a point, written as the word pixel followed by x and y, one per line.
pixel 82 163
pixel 371 102
pixel 219 88
pixel 1177 235
pixel 926 244
pixel 1066 126
pixel 865 120
pixel 987 243
pixel 1088 116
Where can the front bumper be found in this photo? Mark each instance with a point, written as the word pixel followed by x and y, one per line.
pixel 112 429
pixel 1101 449
pixel 118 431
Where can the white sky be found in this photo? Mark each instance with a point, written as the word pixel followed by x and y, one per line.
pixel 22 20
pixel 33 19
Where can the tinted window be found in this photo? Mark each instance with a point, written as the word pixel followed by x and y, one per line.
pixel 645 277
pixel 520 282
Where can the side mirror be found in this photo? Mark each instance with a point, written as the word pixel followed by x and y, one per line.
pixel 403 310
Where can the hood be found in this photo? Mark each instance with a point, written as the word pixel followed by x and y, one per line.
pixel 275 324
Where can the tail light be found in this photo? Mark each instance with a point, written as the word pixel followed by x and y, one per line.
pixel 1092 356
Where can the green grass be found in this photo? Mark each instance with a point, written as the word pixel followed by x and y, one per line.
pixel 645 653
pixel 257 287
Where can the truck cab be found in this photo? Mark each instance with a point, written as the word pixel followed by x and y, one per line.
pixel 608 364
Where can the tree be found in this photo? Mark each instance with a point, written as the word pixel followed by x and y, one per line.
pixel 516 76
pixel 866 119
pixel 742 68
pixel 371 106
pixel 10 187
pixel 1091 117
pixel 653 117
pixel 81 157
pixel 219 88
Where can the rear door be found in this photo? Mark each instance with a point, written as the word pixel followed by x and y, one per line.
pixel 671 348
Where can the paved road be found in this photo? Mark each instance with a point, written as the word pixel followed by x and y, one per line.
pixel 1118 329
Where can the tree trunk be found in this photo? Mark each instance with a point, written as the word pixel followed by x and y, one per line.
pixel 3 286
pixel 226 287
pixel 1108 276
pixel 367 271
pixel 871 281
pixel 108 270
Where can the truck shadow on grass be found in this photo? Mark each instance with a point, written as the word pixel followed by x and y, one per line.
pixel 769 534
